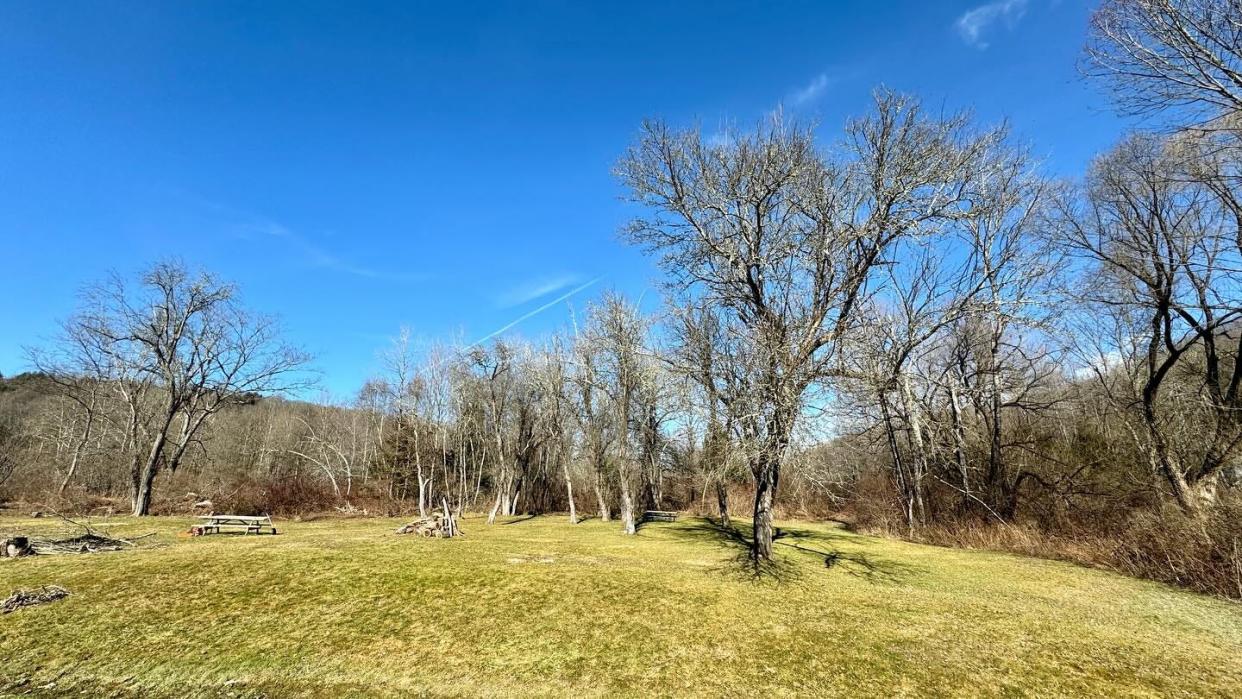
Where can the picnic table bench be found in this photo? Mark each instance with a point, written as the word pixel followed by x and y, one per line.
pixel 659 516
pixel 251 524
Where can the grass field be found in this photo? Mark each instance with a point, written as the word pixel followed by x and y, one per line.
pixel 537 607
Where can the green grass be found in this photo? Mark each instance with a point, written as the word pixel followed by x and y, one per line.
pixel 537 607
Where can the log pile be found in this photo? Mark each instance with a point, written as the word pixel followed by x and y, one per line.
pixel 437 524
pixel 29 598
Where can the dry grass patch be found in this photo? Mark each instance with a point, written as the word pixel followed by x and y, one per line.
pixel 542 608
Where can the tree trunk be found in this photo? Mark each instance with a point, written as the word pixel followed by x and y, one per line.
pixel 569 493
pixel 996 461
pixel 422 493
pixel 1158 452
pixel 500 493
pixel 899 470
pixel 627 506
pixel 517 492
pixel 604 514
pixel 77 454
pixel 722 501
pixel 959 444
pixel 766 476
pixel 919 464
pixel 140 495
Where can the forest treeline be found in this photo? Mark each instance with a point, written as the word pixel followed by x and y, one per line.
pixel 911 327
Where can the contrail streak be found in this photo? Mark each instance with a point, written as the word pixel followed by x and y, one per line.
pixel 537 311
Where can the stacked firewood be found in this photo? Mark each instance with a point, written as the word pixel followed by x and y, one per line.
pixel 437 524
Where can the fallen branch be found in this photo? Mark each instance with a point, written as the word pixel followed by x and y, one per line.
pixel 85 527
pixel 29 598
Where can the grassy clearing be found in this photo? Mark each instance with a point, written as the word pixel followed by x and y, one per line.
pixel 536 607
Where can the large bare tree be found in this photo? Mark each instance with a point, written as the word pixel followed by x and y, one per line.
pixel 783 240
pixel 177 347
pixel 1164 257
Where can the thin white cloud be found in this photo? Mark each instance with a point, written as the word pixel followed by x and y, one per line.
pixel 526 316
pixel 810 92
pixel 976 23
pixel 534 289
pixel 239 224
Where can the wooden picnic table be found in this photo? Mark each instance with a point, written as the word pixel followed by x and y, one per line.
pixel 252 524
pixel 659 516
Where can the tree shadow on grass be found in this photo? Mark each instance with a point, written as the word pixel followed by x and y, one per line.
pixel 741 564
pixel 642 523
pixel 521 518
pixel 802 541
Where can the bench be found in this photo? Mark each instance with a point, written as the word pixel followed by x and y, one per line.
pixel 248 523
pixel 659 516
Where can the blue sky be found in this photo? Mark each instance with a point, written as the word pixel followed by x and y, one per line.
pixel 359 166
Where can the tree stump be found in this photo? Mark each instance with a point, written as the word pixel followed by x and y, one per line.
pixel 16 547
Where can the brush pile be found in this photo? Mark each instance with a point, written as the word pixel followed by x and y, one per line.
pixel 91 542
pixel 29 598
pixel 86 543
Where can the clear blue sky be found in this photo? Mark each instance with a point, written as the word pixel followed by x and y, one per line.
pixel 357 166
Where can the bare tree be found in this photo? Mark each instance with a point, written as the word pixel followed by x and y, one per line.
pixel 618 333
pixel 784 241
pixel 1170 54
pixel 82 376
pixel 592 417
pixel 495 369
pixel 178 347
pixel 556 410
pixel 1163 253
pixel 701 352
pixel 336 440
